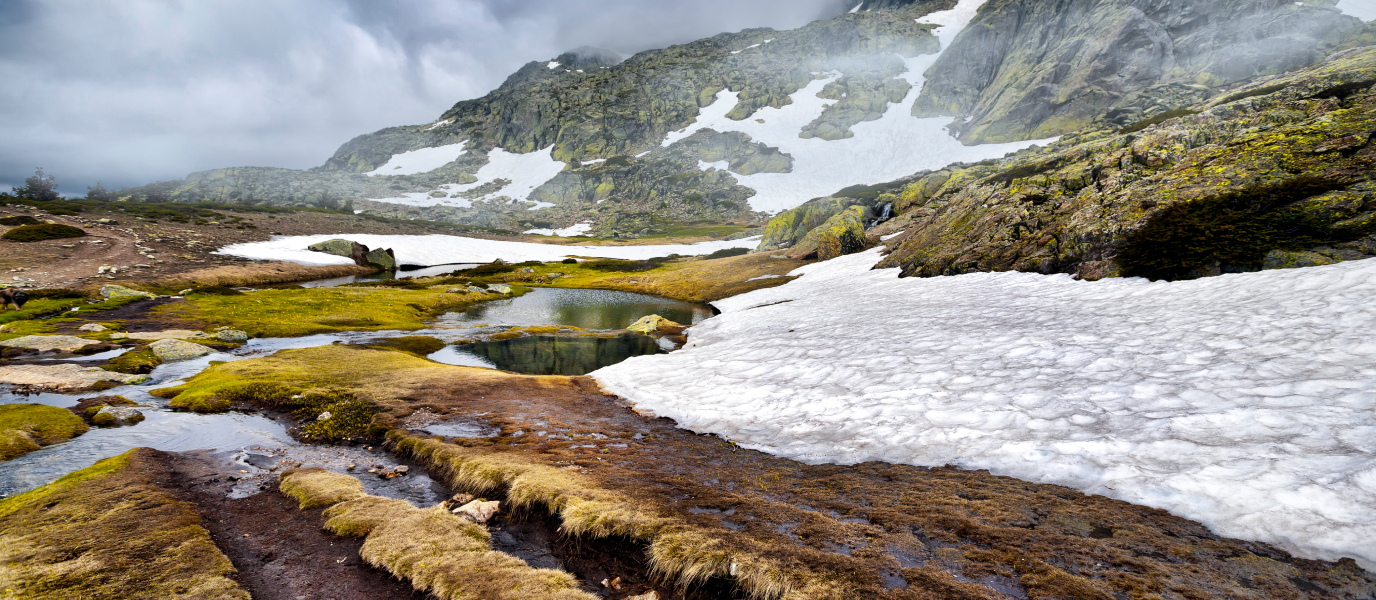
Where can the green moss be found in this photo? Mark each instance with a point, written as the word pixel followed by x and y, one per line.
pixel 27 427
pixel 420 345
pixel 306 311
pixel 44 231
pixel 140 361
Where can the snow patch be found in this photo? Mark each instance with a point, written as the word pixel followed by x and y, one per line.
pixel 885 238
pixel 423 160
pixel 642 154
pixel 449 249
pixel 569 231
pixel 440 124
pixel 857 7
pixel 1362 9
pixel 1245 401
pixel 720 165
pixel 525 171
pixel 894 146
pixel 553 65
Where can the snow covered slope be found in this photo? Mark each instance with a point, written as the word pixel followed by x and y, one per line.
pixel 423 160
pixel 894 146
pixel 1247 402
pixel 450 249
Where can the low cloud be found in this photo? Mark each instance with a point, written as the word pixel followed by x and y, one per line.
pixel 147 90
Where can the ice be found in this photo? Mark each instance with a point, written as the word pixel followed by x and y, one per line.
pixel 894 146
pixel 569 231
pixel 449 249
pixel 420 161
pixel 1362 9
pixel 1244 401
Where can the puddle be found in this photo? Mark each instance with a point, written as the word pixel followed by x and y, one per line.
pixel 260 465
pixel 553 355
pixel 106 355
pixel 585 309
pixel 463 429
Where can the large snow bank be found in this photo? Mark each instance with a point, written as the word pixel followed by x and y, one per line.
pixel 449 249
pixel 423 160
pixel 1247 402
pixel 894 146
pixel 1362 9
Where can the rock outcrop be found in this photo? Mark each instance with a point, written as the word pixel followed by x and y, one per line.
pixel 175 350
pixel 843 233
pixel 359 253
pixel 1026 69
pixel 1284 165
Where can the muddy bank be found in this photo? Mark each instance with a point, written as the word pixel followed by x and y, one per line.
pixel 708 511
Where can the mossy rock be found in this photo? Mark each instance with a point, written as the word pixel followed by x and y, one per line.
pixel 27 427
pixel 140 361
pixel 42 231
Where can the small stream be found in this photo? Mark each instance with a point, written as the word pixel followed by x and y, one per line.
pixel 257 444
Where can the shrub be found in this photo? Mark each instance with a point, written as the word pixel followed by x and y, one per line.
pixel 43 231
pixel 569 261
pixel 486 270
pixel 19 220
pixel 728 252
pixel 619 266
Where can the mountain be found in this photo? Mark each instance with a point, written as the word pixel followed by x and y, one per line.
pixel 848 110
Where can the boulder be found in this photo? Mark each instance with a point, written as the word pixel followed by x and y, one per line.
pixel 498 288
pixel 231 335
pixel 116 292
pixel 62 378
pixel 92 327
pixel 175 350
pixel 656 324
pixel 117 416
pixel 478 511
pixel 841 234
pixel 44 343
pixel 359 253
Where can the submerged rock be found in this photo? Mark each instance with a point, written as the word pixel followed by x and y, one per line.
pixel 478 511
pixel 175 350
pixel 44 343
pixel 117 416
pixel 62 377
pixel 656 324
pixel 115 292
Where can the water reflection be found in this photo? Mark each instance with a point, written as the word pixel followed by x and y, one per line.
pixel 549 355
pixel 586 309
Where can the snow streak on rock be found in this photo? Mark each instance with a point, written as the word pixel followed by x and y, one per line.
pixel 423 160
pixel 1247 401
pixel 894 146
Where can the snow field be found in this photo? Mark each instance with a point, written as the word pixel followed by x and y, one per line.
pixel 894 146
pixel 569 231
pixel 420 161
pixel 525 171
pixel 450 249
pixel 1246 402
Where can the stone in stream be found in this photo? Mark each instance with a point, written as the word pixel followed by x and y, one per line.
pixel 175 350
pixel 44 343
pixel 117 416
pixel 170 334
pixel 62 377
pixel 478 511
pixel 115 292
pixel 231 335
pixel 656 324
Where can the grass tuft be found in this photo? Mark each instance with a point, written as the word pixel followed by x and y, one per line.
pixel 28 427
pixel 315 487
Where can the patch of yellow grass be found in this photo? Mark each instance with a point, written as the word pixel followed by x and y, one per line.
pixel 678 552
pixel 297 312
pixel 316 487
pixel 439 553
pixel 108 532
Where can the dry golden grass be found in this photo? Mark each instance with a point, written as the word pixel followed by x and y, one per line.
pixel 694 280
pixel 108 531
pixel 315 487
pixel 437 552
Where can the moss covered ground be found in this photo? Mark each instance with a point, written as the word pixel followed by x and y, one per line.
pixel 687 279
pixel 306 311
pixel 109 531
pixel 28 427
pixel 703 509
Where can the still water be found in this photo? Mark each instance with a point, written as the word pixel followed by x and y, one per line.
pixel 585 309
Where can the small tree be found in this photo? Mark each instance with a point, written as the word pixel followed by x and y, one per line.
pixel 39 187
pixel 99 193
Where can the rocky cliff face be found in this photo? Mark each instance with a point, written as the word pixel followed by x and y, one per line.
pixel 1274 174
pixel 1031 69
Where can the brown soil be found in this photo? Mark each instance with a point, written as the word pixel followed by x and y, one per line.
pixel 881 530
pixel 281 552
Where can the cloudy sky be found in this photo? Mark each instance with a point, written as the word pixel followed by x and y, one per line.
pixel 145 90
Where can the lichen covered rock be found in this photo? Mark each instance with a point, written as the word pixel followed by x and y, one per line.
pixel 843 233
pixel 117 416
pixel 45 343
pixel 64 377
pixel 116 292
pixel 175 350
pixel 656 324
